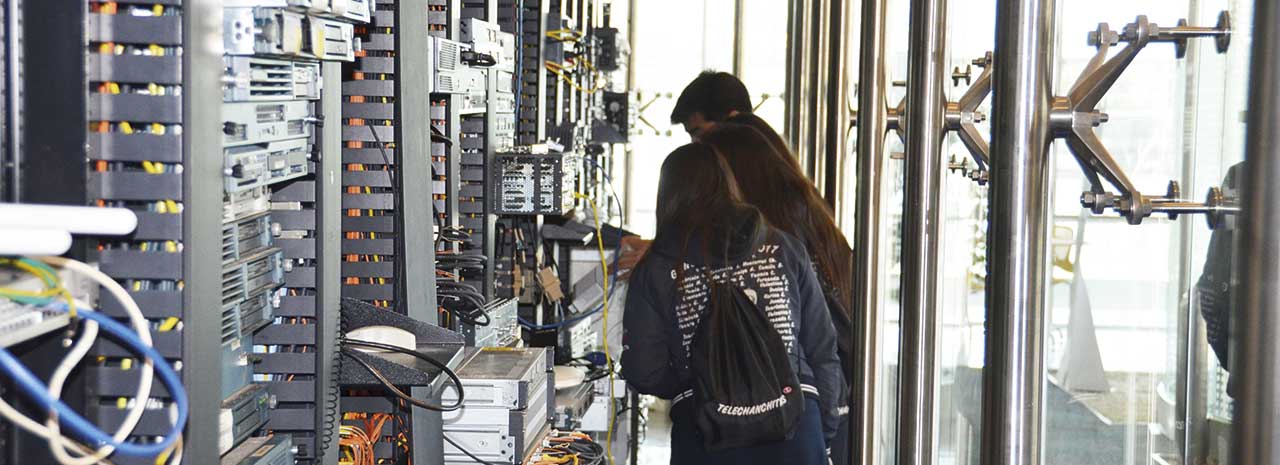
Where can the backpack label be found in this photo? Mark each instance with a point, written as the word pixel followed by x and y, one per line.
pixel 750 410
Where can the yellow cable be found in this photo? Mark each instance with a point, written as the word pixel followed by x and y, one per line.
pixel 51 280
pixel 604 268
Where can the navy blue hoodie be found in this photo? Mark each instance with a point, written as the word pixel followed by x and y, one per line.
pixel 660 322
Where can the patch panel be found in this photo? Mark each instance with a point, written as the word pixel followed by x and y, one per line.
pixel 533 184
pixel 249 78
pixel 20 322
pixel 250 123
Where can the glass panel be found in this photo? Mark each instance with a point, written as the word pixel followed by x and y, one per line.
pixel 1216 145
pixel 666 58
pixel 764 58
pixel 1130 373
pixel 963 266
pixel 896 46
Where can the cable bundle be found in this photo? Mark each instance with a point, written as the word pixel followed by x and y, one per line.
pixel 91 444
pixel 462 301
pixel 569 448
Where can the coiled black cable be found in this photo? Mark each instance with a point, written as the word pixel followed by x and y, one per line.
pixel 332 397
pixel 391 387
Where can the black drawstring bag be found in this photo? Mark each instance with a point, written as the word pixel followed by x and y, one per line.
pixel 744 389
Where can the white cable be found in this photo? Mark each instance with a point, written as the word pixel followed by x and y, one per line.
pixel 143 397
pixel 59 444
pixel 17 418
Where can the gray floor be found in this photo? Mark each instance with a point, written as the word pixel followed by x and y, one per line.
pixel 656 448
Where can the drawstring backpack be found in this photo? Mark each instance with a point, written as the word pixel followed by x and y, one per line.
pixel 744 387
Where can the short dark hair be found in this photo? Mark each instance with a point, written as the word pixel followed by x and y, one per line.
pixel 715 95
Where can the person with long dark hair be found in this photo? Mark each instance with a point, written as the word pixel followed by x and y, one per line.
pixel 707 234
pixel 771 181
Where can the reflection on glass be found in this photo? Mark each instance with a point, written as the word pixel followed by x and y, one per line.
pixel 1132 377
pixel 1136 314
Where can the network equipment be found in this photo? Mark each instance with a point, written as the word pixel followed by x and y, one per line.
pixel 271 450
pixel 21 322
pixel 259 165
pixel 264 122
pixel 533 184
pixel 242 413
pixel 282 32
pixel 265 188
pixel 257 78
pixel 510 397
pixel 502 330
pixel 354 10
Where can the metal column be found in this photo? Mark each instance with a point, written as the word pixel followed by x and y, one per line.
pixel 415 267
pixel 819 88
pixel 800 86
pixel 837 111
pixel 872 125
pixel 1013 380
pixel 202 224
pixel 921 219
pixel 1256 355
pixel 329 246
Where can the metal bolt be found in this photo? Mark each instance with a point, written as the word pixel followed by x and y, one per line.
pixel 966 75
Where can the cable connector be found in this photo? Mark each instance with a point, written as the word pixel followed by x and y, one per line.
pixel 477 59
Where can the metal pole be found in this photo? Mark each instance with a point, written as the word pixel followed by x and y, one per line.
pixel 817 74
pixel 1257 356
pixel 921 218
pixel 801 107
pixel 1013 380
pixel 202 222
pixel 872 125
pixel 837 104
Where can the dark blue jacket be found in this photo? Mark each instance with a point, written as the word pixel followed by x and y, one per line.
pixel 659 323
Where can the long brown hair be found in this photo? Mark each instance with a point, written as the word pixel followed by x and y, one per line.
pixel 750 119
pixel 771 181
pixel 699 203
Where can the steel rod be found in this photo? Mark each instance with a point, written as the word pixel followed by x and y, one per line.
pixel 837 112
pixel 873 121
pixel 1013 378
pixel 816 72
pixel 1256 356
pixel 921 218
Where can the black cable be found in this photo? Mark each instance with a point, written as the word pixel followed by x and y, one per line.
pixel 453 377
pixel 385 159
pixel 437 135
pixel 333 395
pixel 477 59
pixel 465 451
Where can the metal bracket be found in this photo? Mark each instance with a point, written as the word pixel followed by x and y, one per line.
pixel 963 117
pixel 896 120
pixel 1073 117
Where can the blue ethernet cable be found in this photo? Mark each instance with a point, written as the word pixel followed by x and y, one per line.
pixel 29 385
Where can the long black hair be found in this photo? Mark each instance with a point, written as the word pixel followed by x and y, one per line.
pixel 772 182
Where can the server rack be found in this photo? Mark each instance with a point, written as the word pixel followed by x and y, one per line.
pixel 388 212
